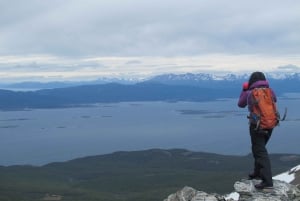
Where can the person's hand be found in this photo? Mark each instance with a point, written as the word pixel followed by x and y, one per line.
pixel 245 86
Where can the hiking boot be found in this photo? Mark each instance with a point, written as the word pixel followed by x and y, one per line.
pixel 253 176
pixel 263 186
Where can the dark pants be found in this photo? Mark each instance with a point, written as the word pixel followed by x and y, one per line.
pixel 262 165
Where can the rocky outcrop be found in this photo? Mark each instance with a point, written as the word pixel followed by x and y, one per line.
pixel 190 194
pixel 282 191
pixel 244 191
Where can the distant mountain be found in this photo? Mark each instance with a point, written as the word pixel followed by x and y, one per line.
pixel 128 176
pixel 170 87
pixel 33 86
pixel 280 82
pixel 89 94
pixel 199 79
pixel 196 78
pixel 228 79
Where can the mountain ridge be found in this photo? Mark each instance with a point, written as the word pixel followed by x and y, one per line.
pixel 160 88
pixel 162 78
pixel 142 175
pixel 107 93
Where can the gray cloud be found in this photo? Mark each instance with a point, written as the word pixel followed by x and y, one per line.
pixel 290 67
pixel 73 38
pixel 149 28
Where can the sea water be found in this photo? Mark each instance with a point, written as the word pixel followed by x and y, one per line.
pixel 41 136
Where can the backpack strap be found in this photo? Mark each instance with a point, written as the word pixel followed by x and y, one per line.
pixel 284 114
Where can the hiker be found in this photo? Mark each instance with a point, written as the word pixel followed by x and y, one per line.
pixel 259 139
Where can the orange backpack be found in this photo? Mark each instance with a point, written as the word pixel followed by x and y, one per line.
pixel 264 110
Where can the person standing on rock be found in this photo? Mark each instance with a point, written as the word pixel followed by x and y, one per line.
pixel 259 140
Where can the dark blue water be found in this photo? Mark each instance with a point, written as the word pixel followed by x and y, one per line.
pixel 46 135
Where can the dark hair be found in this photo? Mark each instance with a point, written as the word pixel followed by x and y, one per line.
pixel 256 76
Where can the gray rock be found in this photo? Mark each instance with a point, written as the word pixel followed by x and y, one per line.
pixel 190 194
pixel 282 192
pixel 187 193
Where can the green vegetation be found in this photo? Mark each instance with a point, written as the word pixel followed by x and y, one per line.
pixel 134 176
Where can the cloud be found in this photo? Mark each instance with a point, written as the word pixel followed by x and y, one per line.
pixel 49 68
pixel 143 28
pixel 290 67
pixel 128 36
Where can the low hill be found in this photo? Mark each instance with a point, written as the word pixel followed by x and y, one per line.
pixel 136 175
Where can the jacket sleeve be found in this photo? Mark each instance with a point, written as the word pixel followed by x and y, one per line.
pixel 243 99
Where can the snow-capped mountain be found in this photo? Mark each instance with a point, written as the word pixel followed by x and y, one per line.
pixel 220 77
pixel 197 77
pixel 206 80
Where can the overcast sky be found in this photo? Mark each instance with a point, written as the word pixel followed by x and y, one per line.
pixel 76 39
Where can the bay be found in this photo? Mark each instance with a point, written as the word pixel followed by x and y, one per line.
pixel 41 136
